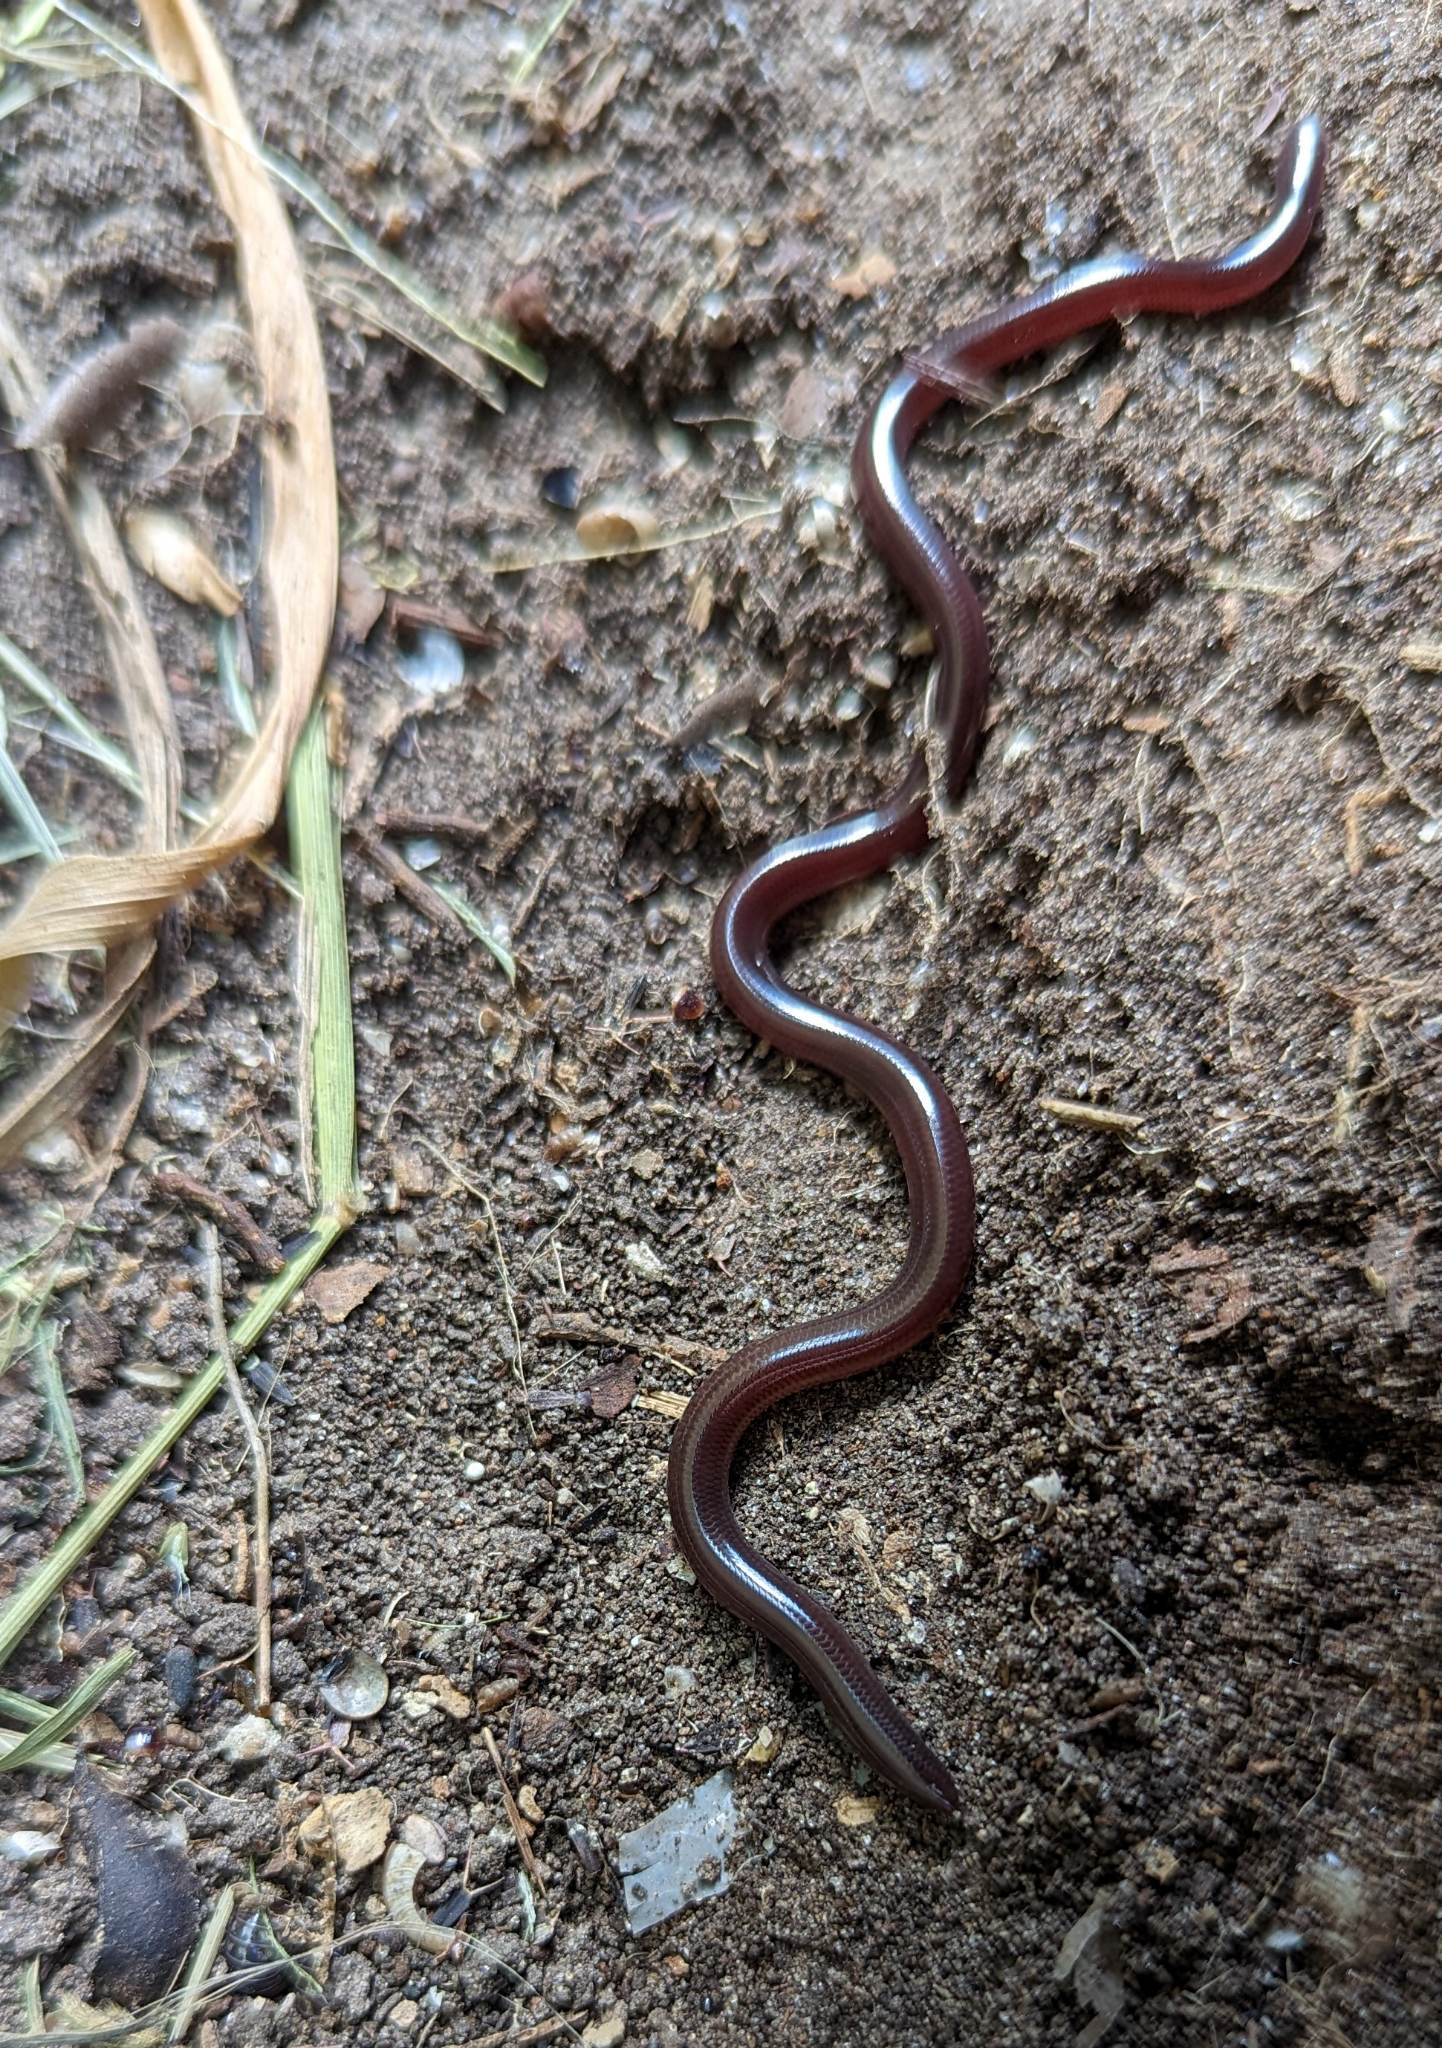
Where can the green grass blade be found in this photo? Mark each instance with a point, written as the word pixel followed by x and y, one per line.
pixel 314 819
pixel 69 1714
pixel 57 1402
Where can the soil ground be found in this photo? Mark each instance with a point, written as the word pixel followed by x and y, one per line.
pixel 1147 1538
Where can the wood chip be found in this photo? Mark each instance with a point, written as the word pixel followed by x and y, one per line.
pixel 1087 1116
pixel 1425 655
pixel 674 1405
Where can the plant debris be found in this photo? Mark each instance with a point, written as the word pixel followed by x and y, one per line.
pixel 149 1898
pixel 678 1858
pixel 82 408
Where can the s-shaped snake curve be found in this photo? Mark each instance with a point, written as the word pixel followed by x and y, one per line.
pixel 903 1087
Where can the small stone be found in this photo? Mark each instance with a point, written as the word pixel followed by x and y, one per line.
pixel 54 1152
pixel 606 2033
pixel 855 1812
pixel 28 1847
pixel 1160 1863
pixel 647 1164
pixel 1048 1487
pixel 404 2014
pixel 249 1739
pixel 641 1259
pixel 352 1826
pixel 449 1698
pixel 562 487
pixel 765 1749
pixel 678 1680
pixel 420 1833
pixel 872 274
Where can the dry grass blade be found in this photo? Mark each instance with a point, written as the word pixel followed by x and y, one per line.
pixel 140 683
pixel 510 558
pixel 104 900
pixel 328 1081
pixel 456 357
pixel 500 343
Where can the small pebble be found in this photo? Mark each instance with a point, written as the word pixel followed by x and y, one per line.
pixel 562 487
pixel 250 1739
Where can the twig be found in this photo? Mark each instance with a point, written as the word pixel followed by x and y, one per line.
pixel 255 1444
pixel 513 1815
pixel 407 881
pixel 524 2037
pixel 257 1245
pixel 533 894
pixel 456 825
pixel 413 615
pixel 683 1351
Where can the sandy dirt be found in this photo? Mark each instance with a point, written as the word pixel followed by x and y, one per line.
pixel 1147 1538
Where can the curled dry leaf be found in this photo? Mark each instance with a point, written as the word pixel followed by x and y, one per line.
pixel 149 1896
pixel 106 899
pixel 166 549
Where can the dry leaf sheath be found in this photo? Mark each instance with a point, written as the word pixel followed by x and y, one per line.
pixel 106 899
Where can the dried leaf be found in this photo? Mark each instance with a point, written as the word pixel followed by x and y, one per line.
pixel 338 1290
pixel 612 1392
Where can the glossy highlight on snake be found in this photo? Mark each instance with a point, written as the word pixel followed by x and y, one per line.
pixel 903 1087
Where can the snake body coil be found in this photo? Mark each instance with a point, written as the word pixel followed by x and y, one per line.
pixel 903 1087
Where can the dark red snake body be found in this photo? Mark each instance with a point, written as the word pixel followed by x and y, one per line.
pixel 903 1087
